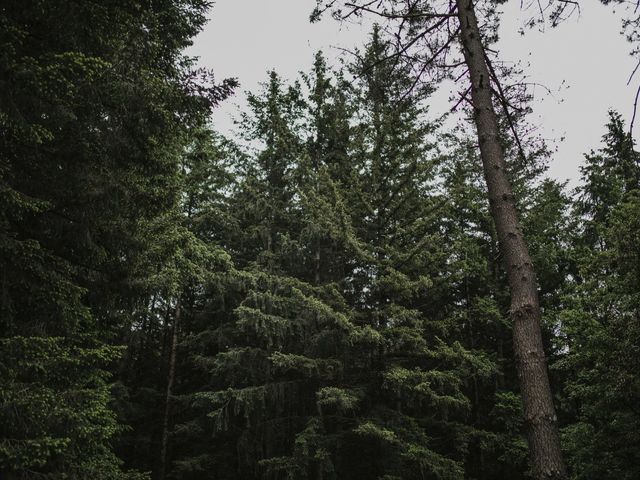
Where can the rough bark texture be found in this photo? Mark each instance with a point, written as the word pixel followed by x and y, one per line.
pixel 540 418
pixel 171 374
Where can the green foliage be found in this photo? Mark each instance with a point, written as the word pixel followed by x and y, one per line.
pixel 321 298
pixel 96 102
pixel 55 416
pixel 600 329
pixel 327 336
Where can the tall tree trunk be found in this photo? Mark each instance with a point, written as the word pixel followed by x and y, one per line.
pixel 171 374
pixel 540 418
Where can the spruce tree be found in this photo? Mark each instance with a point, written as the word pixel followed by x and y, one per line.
pixel 272 336
pixel 94 104
pixel 600 324
pixel 312 369
pixel 415 374
pixel 473 293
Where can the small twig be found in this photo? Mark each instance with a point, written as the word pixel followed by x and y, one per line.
pixel 634 70
pixel 463 97
pixel 356 8
pixel 457 79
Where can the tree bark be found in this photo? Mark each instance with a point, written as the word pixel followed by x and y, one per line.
pixel 540 417
pixel 171 374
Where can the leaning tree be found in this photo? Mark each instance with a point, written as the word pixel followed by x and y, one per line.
pixel 452 39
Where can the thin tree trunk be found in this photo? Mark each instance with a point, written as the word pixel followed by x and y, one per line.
pixel 171 374
pixel 540 418
pixel 316 267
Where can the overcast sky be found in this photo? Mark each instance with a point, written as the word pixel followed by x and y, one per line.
pixel 246 38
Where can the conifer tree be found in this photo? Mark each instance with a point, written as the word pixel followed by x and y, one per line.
pixel 187 238
pixel 311 369
pixel 271 345
pixel 417 371
pixel 600 324
pixel 473 293
pixel 95 100
pixel 447 40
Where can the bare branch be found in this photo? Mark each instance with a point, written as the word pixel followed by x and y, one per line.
pixel 635 111
pixel 463 97
pixel 402 49
pixel 405 15
pixel 357 8
pixel 634 70
pixel 505 106
pixel 429 61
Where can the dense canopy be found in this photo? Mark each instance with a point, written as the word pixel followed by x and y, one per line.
pixel 323 295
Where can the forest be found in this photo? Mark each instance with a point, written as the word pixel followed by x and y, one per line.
pixel 347 288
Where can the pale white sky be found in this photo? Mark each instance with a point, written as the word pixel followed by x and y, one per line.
pixel 246 38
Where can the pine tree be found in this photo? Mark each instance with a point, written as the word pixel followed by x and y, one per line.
pixel 449 41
